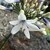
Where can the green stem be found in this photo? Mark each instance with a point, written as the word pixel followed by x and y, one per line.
pixel 5 41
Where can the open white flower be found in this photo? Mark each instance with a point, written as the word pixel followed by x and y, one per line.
pixel 26 25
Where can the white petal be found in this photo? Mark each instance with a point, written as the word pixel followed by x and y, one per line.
pixel 16 29
pixel 32 27
pixel 32 21
pixel 21 17
pixel 26 31
pixel 13 22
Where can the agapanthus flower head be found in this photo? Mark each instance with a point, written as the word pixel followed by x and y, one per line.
pixel 12 1
pixel 26 25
